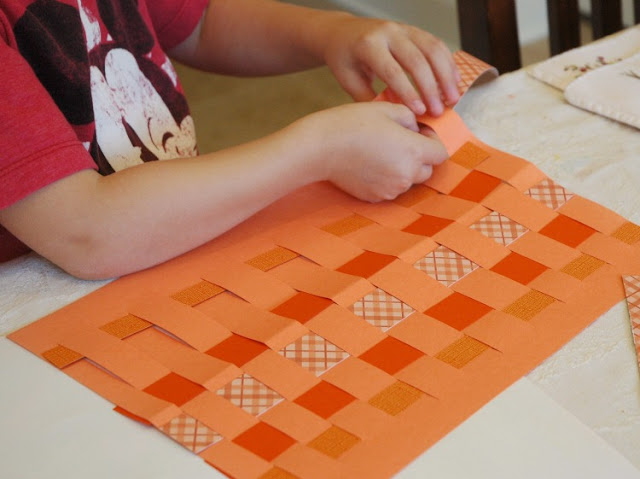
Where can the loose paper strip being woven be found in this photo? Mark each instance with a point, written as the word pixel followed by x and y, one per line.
pixel 326 337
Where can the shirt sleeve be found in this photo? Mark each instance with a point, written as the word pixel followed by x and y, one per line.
pixel 37 144
pixel 174 20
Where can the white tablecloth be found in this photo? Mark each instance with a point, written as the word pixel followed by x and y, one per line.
pixel 576 415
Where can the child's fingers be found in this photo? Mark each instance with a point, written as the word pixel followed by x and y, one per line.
pixel 387 68
pixel 442 65
pixel 414 62
pixel 356 83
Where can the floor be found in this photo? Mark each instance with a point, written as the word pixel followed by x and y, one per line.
pixel 228 111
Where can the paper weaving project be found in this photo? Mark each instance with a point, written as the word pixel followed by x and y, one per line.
pixel 326 337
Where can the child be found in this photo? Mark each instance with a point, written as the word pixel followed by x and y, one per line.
pixel 90 99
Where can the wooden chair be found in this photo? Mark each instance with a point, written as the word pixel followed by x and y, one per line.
pixel 489 31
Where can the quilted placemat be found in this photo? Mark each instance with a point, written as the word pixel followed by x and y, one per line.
pixel 327 337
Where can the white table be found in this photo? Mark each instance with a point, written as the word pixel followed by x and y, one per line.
pixel 576 415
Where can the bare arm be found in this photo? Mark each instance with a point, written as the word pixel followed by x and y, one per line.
pixel 99 227
pixel 263 37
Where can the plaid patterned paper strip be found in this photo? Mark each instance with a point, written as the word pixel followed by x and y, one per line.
pixel 632 288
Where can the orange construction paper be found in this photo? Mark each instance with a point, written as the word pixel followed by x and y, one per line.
pixel 361 419
pixel 324 399
pixel 302 307
pixel 366 264
pixel 471 244
pixel 359 378
pixel 380 239
pixel 475 186
pixel 181 320
pixel 252 322
pixel 319 246
pixel 490 288
pixel 303 461
pixel 203 369
pixel 251 284
pixel 327 337
pixel 592 214
pixel 305 276
pixel 219 414
pixel 446 177
pixel 449 207
pixel 519 268
pixel 387 214
pixel 391 355
pixel 235 461
pixel 345 330
pixel 458 310
pixel 520 208
pixel 425 333
pixel 237 350
pixel 409 285
pixel 281 374
pixel 264 441
pixel 567 231
pixel 544 250
pixel 295 421
pixel 123 360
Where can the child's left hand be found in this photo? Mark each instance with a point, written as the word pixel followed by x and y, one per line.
pixel 359 49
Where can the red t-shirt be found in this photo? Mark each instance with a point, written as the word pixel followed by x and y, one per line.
pixel 86 84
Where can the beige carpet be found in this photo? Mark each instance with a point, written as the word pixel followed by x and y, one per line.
pixel 228 111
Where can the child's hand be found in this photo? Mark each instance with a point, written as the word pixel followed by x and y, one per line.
pixel 358 49
pixel 374 151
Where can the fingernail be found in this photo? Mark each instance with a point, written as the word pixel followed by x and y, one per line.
pixel 418 107
pixel 436 108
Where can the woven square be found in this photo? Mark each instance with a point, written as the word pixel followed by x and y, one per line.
pixel 324 399
pixel 381 309
pixel 567 231
pixel 175 388
pixel 458 311
pixel 396 398
pixel 583 266
pixel 302 307
pixel 414 195
pixel 475 186
pixel 549 193
pixel 519 268
pixel 499 228
pixel 628 233
pixel 125 326
pixel 237 349
pixel 334 442
pixel 272 258
pixel 427 225
pixel 249 394
pixel 197 293
pixel 527 307
pixel 277 473
pixel 462 352
pixel 469 155
pixel 61 356
pixel 366 264
pixel 391 355
pixel 265 441
pixel 445 265
pixel 190 433
pixel 347 225
pixel 314 353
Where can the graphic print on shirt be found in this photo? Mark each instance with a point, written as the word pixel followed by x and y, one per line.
pixel 116 86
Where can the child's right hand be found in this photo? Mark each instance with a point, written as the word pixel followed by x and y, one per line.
pixel 373 151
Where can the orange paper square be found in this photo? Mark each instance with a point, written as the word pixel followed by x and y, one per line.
pixel 324 399
pixel 567 231
pixel 458 311
pixel 391 355
pixel 264 441
pixel 519 268
pixel 475 187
